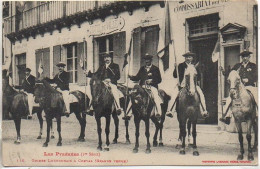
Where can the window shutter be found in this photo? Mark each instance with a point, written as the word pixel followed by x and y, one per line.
pixel 119 49
pixel 56 58
pixel 136 50
pixel 80 71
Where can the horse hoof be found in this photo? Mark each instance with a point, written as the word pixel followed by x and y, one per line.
pixel 196 153
pixel 240 157
pixel 17 142
pixel 106 148
pixel 155 143
pixel 250 157
pixel 45 145
pixel 59 144
pixel 135 150
pixel 99 148
pixel 182 152
pixel 52 137
pixel 81 139
pixel 127 141
pixel 39 137
pixel 160 144
pixel 114 141
pixel 147 151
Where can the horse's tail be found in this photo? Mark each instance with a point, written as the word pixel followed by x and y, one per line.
pixel 19 105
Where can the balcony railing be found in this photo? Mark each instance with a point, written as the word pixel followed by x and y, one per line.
pixel 48 12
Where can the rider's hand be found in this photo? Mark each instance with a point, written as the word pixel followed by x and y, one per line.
pixel 130 76
pixel 107 80
pixel 149 74
pixel 221 68
pixel 245 80
pixel 149 81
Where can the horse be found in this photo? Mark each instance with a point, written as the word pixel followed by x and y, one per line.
pixel 103 105
pixel 243 108
pixel 14 102
pixel 188 108
pixel 142 107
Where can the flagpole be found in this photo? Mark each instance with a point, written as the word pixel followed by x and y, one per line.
pixel 84 67
pixel 220 78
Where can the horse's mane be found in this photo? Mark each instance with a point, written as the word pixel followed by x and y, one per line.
pixel 191 69
pixel 233 74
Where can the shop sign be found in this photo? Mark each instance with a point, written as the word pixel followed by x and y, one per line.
pixel 106 27
pixel 198 4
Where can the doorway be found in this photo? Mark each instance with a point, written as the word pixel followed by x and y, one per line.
pixel 20 68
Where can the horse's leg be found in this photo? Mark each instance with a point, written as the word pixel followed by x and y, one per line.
pixel 52 132
pixel 240 138
pixel 99 130
pixel 157 124
pixel 250 156
pixel 48 120
pixel 82 122
pixel 147 134
pixel 189 127
pixel 116 121
pixel 17 122
pixel 137 127
pixel 39 115
pixel 255 127
pixel 161 129
pixel 107 130
pixel 127 133
pixel 59 130
pixel 194 135
pixel 183 135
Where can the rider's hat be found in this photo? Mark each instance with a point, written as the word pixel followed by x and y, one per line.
pixel 147 56
pixel 61 64
pixel 189 54
pixel 107 55
pixel 245 53
pixel 28 70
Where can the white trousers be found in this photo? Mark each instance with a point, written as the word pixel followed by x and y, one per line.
pixel 157 99
pixel 65 94
pixel 252 89
pixel 30 102
pixel 175 93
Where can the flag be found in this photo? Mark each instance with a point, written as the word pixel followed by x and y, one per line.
pixel 81 62
pixel 165 38
pixel 127 54
pixel 216 52
pixel 9 71
pixel 40 69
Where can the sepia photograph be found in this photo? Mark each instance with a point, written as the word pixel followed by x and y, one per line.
pixel 129 83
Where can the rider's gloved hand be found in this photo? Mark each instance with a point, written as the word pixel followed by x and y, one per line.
pixel 149 81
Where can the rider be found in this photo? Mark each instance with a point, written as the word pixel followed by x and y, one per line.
pixel 150 75
pixel 109 73
pixel 189 57
pixel 248 74
pixel 28 87
pixel 62 81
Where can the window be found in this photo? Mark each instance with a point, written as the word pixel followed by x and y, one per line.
pixel 72 59
pixel 5 9
pixel 105 45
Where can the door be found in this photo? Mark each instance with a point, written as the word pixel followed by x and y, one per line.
pixel 20 67
pixel 208 77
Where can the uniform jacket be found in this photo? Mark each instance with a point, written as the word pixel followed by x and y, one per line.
pixel 181 71
pixel 112 72
pixel 28 84
pixel 61 79
pixel 249 72
pixel 142 75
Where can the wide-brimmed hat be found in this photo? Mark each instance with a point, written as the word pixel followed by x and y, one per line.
pixel 189 54
pixel 28 70
pixel 245 53
pixel 61 64
pixel 147 56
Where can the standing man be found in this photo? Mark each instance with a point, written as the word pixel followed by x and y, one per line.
pixel 248 74
pixel 28 87
pixel 62 81
pixel 150 75
pixel 189 57
pixel 109 73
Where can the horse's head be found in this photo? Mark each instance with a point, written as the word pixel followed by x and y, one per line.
pixel 190 79
pixel 96 86
pixel 140 99
pixel 234 81
pixel 39 93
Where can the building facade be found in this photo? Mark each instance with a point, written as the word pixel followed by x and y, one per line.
pixel 44 33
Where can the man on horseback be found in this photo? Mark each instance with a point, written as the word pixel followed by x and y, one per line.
pixel 28 87
pixel 109 73
pixel 149 77
pixel 61 79
pixel 248 74
pixel 189 57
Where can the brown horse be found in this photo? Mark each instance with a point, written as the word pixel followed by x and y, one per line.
pixel 188 107
pixel 142 107
pixel 243 107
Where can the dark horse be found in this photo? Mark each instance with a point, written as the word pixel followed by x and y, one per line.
pixel 103 106
pixel 142 106
pixel 243 107
pixel 14 102
pixel 188 107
